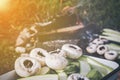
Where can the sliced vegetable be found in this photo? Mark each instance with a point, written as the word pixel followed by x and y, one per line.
pixel 111 31
pixel 52 71
pixel 72 68
pixel 116 39
pixel 113 46
pixel 103 69
pixel 110 34
pixel 42 77
pixel 62 76
pixel 84 68
pixel 94 62
pixel 43 70
pixel 94 75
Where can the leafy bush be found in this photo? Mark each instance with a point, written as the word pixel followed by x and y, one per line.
pixel 102 12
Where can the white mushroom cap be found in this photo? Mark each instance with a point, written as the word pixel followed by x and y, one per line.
pixel 91 48
pixel 39 54
pixel 19 41
pixel 20 49
pixel 111 55
pixel 26 66
pixel 98 41
pixel 28 45
pixel 24 55
pixel 55 51
pixel 56 62
pixel 63 53
pixel 72 51
pixel 60 52
pixel 77 76
pixel 101 49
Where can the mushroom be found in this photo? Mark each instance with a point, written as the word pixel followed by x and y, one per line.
pixel 98 41
pixel 72 51
pixel 58 51
pixel 25 35
pixel 39 54
pixel 77 76
pixel 101 49
pixel 91 48
pixel 26 66
pixel 20 49
pixel 111 55
pixel 56 62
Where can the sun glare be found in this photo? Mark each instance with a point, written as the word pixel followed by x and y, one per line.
pixel 4 5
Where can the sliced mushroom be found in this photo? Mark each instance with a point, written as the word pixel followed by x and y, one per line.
pixel 56 62
pixel 111 55
pixel 72 51
pixel 39 54
pixel 101 49
pixel 91 48
pixel 26 66
pixel 77 76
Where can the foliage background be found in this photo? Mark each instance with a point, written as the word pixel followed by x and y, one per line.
pixel 105 13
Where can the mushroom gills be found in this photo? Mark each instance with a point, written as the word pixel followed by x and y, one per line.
pixel 111 55
pixel 28 63
pixel 101 49
pixel 26 66
pixel 77 76
pixel 92 48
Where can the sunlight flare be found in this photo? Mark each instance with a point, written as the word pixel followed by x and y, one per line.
pixel 4 5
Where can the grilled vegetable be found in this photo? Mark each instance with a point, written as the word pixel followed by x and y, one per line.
pixel 103 69
pixel 84 68
pixel 110 34
pixel 115 39
pixel 42 77
pixel 111 31
pixel 94 75
pixel 62 76
pixel 72 68
pixel 94 62
pixel 113 46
